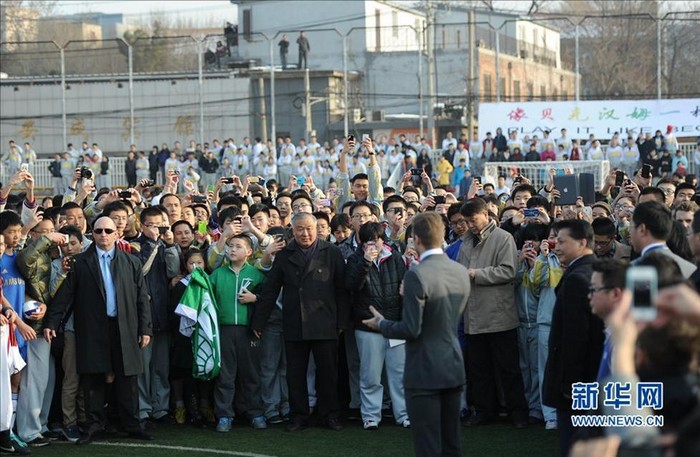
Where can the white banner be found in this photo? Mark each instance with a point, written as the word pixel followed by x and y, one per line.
pixel 600 118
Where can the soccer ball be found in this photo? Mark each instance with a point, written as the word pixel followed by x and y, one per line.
pixel 29 308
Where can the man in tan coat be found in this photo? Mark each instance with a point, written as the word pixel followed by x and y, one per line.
pixel 491 318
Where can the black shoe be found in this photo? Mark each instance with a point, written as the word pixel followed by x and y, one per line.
pixel 89 437
pixel 52 436
pixel 334 424
pixel 140 435
pixel 39 441
pixel 354 414
pixel 297 425
pixel 276 419
pixel 476 419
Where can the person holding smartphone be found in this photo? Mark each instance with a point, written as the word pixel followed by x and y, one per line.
pixel 161 263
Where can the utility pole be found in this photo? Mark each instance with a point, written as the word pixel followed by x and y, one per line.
pixel 470 83
pixel 263 110
pixel 307 104
pixel 430 29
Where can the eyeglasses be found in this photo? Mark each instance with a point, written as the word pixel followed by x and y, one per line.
pixel 361 216
pixel 458 222
pixel 603 242
pixel 300 206
pixel 592 290
pixel 100 231
pixel 667 190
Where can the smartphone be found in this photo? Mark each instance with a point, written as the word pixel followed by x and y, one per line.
pixel 410 244
pixel 477 179
pixel 365 136
pixel 147 183
pixel 517 180
pixel 324 202
pixel 646 171
pixel 619 178
pixel 351 138
pixel 66 239
pixel 439 199
pixel 125 195
pixel 254 180
pixel 162 230
pixel 227 180
pixel 176 172
pixel 211 188
pixel 301 180
pixel 202 227
pixel 24 167
pixel 199 199
pixel 279 237
pixel 531 213
pixel 643 283
pixel 416 171
pixel 238 219
pixel 528 245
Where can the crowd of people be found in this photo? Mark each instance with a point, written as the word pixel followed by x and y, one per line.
pixel 245 294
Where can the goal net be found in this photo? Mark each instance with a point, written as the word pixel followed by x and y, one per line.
pixel 537 172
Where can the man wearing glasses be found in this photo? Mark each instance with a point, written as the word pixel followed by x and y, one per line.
pixel 107 293
pixel 604 244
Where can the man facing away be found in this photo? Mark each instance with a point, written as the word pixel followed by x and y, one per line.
pixel 434 373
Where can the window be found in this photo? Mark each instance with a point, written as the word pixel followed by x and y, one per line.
pixel 459 39
pixel 516 91
pixel 564 95
pixel 502 87
pixel 543 93
pixel 247 24
pixel 395 24
pixel 555 94
pixel 378 30
pixel 530 91
pixel 487 87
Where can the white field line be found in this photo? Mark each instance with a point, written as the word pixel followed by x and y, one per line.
pixel 181 448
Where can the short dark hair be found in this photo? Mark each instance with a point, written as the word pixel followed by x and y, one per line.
pixel 523 188
pixel 229 200
pixel 302 196
pixel 72 230
pixel 258 208
pixel 360 204
pixel 535 232
pixel 182 222
pixel 151 211
pixel 578 230
pixel 359 176
pixel 488 184
pixel 229 213
pixel 656 217
pixel 321 215
pixel 656 192
pixel 68 206
pixel 393 199
pixel 453 209
pixel 340 220
pixel 613 271
pixel 244 237
pixel 683 185
pixel 193 252
pixel 538 201
pixel 604 226
pixel 163 197
pixel 371 231
pixel 490 199
pixel 113 207
pixel 472 207
pixel 9 219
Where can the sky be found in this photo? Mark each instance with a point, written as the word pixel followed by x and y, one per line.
pixel 203 10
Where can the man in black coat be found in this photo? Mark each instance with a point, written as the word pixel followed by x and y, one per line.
pixel 310 273
pixel 576 338
pixel 106 293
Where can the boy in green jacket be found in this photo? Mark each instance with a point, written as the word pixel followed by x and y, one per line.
pixel 234 287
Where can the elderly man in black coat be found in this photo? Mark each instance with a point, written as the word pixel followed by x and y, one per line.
pixel 310 273
pixel 106 293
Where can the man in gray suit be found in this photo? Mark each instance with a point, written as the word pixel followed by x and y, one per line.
pixel 435 295
pixel 649 230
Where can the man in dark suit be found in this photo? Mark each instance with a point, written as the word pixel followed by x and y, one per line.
pixel 106 292
pixel 576 338
pixel 310 273
pixel 434 299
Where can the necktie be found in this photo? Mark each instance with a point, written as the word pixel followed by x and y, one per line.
pixel 110 294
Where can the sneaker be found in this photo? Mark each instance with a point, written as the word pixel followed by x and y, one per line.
pixel 224 424
pixel 7 447
pixel 550 425
pixel 180 415
pixel 17 441
pixel 39 441
pixel 258 423
pixel 71 433
pixel 406 423
pixel 52 435
pixel 208 414
pixel 274 420
pixel 370 425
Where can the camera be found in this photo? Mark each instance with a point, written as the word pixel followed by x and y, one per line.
pixel 162 230
pixel 531 213
pixel 227 180
pixel 439 199
pixel 125 195
pixel 416 171
pixel 199 199
pixel 85 173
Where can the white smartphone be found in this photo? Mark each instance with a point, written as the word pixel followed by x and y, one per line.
pixel 24 167
pixel 365 136
pixel 643 283
pixel 410 244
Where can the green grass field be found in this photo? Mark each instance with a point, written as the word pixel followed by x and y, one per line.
pixel 498 440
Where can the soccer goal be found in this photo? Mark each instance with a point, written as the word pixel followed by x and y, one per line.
pixel 537 172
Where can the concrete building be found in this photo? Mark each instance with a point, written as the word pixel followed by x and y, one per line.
pixel 385 43
pixel 17 24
